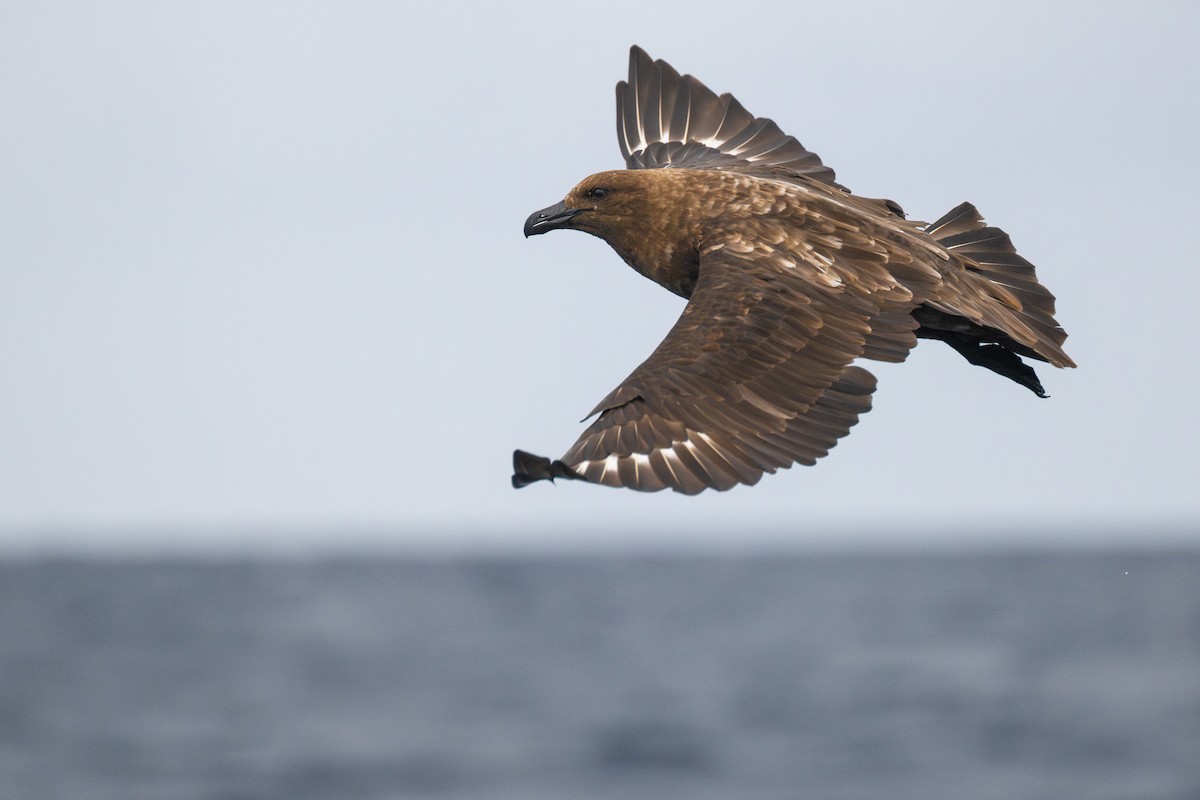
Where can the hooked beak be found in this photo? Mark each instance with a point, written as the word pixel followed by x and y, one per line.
pixel 548 219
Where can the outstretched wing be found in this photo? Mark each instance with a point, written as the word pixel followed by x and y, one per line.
pixel 665 120
pixel 754 376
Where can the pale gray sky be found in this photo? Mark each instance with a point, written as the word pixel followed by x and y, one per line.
pixel 262 273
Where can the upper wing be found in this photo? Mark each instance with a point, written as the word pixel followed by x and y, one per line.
pixel 753 377
pixel 664 120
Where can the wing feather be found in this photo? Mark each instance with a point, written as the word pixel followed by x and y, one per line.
pixel 751 379
pixel 668 120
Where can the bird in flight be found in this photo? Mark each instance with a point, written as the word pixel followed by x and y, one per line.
pixel 789 277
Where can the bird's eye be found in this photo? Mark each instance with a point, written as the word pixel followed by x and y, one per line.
pixel 597 192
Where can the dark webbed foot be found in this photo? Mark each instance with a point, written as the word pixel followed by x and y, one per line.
pixel 1001 360
pixel 528 468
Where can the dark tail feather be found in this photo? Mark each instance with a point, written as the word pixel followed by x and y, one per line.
pixel 992 259
pixel 528 468
pixel 983 329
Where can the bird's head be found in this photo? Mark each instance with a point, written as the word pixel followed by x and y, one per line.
pixel 605 205
pixel 652 218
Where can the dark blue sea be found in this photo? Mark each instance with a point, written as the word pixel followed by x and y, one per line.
pixel 918 676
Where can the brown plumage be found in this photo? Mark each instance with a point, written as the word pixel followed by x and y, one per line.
pixel 789 278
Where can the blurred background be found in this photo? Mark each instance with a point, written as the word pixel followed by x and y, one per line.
pixel 269 333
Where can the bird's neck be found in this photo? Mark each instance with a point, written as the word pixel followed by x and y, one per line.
pixel 663 243
pixel 672 264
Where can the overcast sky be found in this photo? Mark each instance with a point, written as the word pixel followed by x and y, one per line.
pixel 263 283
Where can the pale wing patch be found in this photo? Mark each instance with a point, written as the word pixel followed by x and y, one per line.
pixel 607 470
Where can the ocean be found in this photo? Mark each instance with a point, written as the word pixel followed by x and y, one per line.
pixel 893 676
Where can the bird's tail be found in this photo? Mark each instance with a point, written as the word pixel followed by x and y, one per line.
pixel 1000 311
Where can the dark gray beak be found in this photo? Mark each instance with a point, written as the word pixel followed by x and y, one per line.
pixel 548 219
